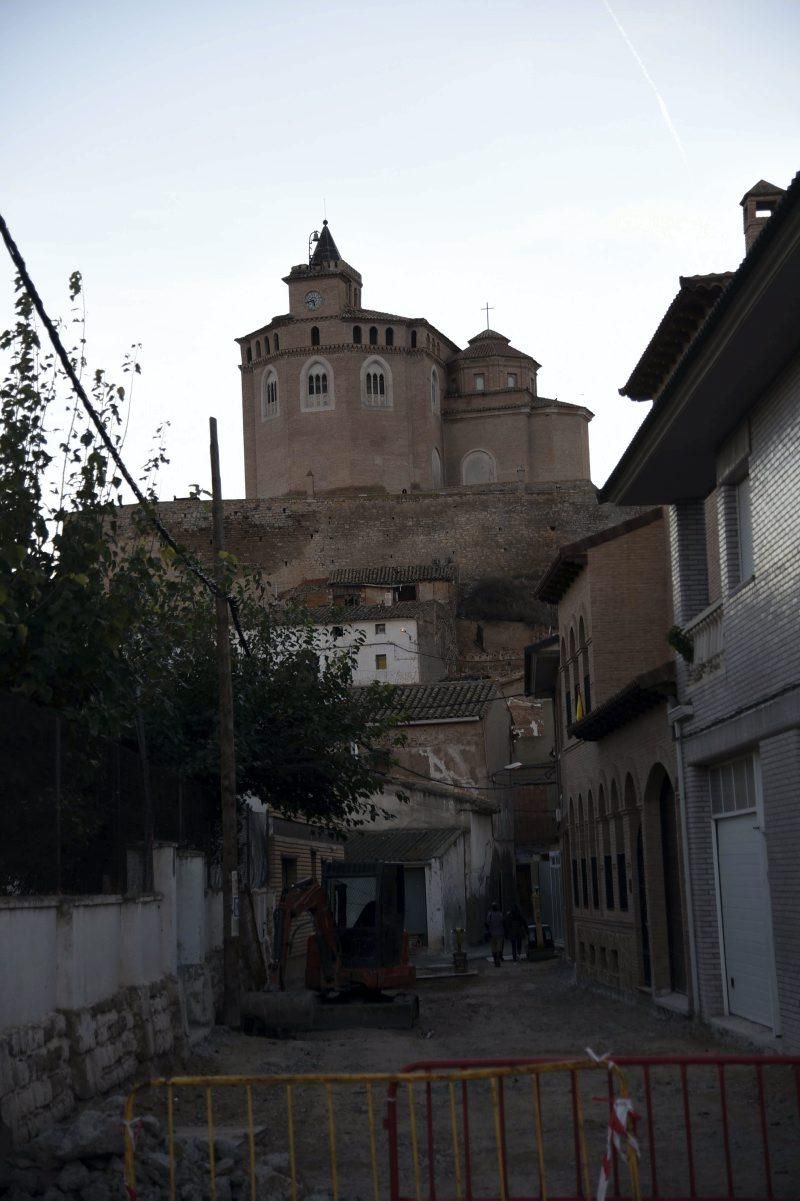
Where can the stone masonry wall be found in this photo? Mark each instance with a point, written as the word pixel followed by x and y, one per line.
pixel 48 1067
pixel 505 534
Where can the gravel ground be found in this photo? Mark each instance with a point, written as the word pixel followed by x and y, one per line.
pixel 520 1009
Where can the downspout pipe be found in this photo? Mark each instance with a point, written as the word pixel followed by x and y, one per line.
pixel 676 716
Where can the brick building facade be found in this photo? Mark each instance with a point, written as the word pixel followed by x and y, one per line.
pixel 721 447
pixel 620 828
pixel 338 398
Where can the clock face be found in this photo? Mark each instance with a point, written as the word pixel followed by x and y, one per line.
pixel 313 300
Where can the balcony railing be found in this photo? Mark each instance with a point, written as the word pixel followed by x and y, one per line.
pixel 706 633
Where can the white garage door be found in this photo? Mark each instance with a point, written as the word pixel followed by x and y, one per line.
pixel 745 918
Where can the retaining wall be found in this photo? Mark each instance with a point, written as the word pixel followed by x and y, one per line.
pixel 93 989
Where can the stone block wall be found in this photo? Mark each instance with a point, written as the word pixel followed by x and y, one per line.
pixel 112 986
pixel 506 534
pixel 47 1067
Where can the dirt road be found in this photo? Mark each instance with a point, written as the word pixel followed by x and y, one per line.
pixel 520 1009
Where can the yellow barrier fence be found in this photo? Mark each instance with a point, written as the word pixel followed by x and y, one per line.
pixel 472 1134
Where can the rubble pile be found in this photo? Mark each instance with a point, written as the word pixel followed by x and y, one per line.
pixel 82 1160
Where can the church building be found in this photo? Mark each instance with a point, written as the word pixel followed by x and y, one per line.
pixel 338 398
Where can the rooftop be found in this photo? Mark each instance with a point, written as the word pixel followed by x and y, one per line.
pixel 451 699
pixel 697 296
pixel 345 615
pixel 746 339
pixel 392 574
pixel 326 250
pixel 489 344
pixel 641 694
pixel 400 846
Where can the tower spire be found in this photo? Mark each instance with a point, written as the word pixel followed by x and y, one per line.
pixel 326 250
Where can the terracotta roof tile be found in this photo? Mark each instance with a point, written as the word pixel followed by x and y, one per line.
pixel 392 575
pixel 450 699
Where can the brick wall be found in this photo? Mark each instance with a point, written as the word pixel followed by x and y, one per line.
pixel 495 533
pixel 753 700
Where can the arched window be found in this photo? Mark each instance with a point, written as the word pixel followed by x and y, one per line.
pixel 436 470
pixel 316 386
pixel 413 339
pixel 258 348
pixel 583 845
pixel 277 344
pixel 389 336
pixel 376 384
pixel 478 467
pixel 565 686
pixel 249 354
pixel 373 336
pixel 573 675
pixel 315 335
pixel 269 394
pixel 318 383
pixel 583 650
pixel 266 345
pixel 434 391
pixel 356 335
pixel 594 874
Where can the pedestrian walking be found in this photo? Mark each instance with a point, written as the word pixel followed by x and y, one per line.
pixel 495 927
pixel 516 929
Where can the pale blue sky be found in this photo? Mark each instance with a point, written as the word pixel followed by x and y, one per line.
pixel 179 154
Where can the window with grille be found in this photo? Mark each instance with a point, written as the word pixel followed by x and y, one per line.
pixel 733 786
pixel 380 662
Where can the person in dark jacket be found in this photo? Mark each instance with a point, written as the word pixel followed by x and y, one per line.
pixel 516 929
pixel 496 929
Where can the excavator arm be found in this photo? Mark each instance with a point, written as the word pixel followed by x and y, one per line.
pixel 306 896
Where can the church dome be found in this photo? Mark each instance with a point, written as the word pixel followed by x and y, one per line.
pixel 490 344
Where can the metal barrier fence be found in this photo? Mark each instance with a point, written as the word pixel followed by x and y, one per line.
pixel 711 1127
pixel 488 1131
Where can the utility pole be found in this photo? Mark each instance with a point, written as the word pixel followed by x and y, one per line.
pixel 227 761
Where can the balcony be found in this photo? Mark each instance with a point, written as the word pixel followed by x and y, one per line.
pixel 706 633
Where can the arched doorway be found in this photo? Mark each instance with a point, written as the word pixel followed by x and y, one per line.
pixel 670 852
pixel 644 925
pixel 662 847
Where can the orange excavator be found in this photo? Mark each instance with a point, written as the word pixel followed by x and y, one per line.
pixel 357 964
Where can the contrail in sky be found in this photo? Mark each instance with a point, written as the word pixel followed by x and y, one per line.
pixel 648 77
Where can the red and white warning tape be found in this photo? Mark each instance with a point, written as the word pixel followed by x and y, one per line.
pixel 621 1131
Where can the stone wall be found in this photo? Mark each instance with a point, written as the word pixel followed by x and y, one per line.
pixel 501 538
pixel 95 989
pixel 48 1067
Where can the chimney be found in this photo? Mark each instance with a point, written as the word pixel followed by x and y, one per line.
pixel 758 206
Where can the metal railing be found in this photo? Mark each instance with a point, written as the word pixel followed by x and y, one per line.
pixel 307 1115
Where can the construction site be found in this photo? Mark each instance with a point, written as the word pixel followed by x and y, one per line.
pixel 506 1088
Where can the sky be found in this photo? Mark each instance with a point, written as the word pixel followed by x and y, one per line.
pixel 564 162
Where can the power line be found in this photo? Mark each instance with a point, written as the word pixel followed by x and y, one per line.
pixel 145 504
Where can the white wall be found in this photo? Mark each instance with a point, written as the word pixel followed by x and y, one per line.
pixel 27 959
pixel 71 953
pixel 190 884
pixel 399 644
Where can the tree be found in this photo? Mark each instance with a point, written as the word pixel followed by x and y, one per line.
pixel 115 632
